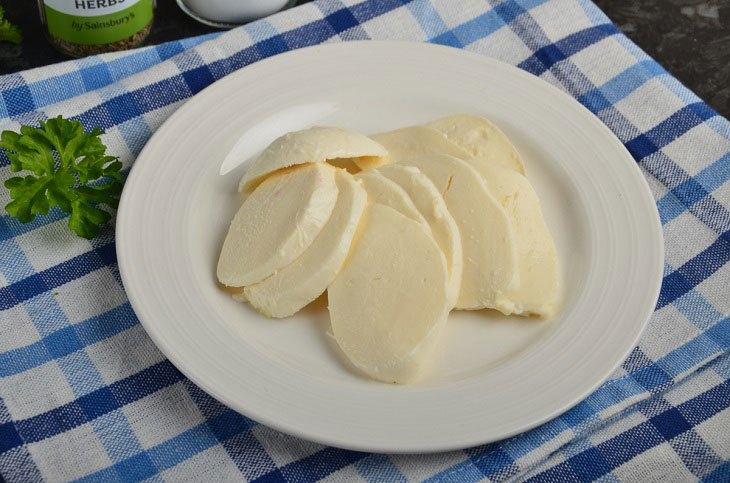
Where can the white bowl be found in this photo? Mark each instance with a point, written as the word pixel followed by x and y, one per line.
pixel 226 13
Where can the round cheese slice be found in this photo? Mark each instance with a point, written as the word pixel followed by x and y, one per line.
pixel 538 291
pixel 481 139
pixel 432 207
pixel 414 141
pixel 385 192
pixel 389 302
pixel 316 144
pixel 487 239
pixel 307 277
pixel 276 223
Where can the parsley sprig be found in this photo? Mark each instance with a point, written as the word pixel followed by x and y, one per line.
pixel 65 163
pixel 8 31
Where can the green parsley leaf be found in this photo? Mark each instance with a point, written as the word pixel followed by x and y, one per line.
pixel 62 179
pixel 8 31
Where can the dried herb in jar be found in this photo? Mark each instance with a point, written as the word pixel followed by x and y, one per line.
pixel 84 27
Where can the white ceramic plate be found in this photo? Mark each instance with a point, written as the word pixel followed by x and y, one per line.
pixel 497 376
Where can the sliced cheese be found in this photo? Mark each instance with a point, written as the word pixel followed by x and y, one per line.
pixel 481 139
pixel 487 238
pixel 316 144
pixel 414 141
pixel 348 164
pixel 276 223
pixel 307 277
pixel 389 302
pixel 385 192
pixel 538 291
pixel 432 207
pixel 369 162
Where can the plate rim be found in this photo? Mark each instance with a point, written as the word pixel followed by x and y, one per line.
pixel 200 381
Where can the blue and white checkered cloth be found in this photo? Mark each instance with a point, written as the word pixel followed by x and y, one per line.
pixel 84 394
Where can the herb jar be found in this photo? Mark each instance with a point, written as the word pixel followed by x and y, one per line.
pixel 84 27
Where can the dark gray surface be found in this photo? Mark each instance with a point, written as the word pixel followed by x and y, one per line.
pixel 690 38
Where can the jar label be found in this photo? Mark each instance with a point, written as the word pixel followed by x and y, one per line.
pixel 95 22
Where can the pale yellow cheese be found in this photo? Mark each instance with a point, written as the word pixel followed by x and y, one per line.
pixel 538 291
pixel 369 162
pixel 307 277
pixel 432 207
pixel 481 139
pixel 276 223
pixel 488 241
pixel 414 141
pixel 316 144
pixel 389 302
pixel 385 192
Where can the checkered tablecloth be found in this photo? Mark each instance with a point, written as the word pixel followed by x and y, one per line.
pixel 84 394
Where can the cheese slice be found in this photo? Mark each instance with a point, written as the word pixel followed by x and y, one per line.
pixel 432 207
pixel 276 223
pixel 385 192
pixel 316 144
pixel 369 162
pixel 538 291
pixel 307 277
pixel 348 164
pixel 481 139
pixel 389 302
pixel 487 239
pixel 414 141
